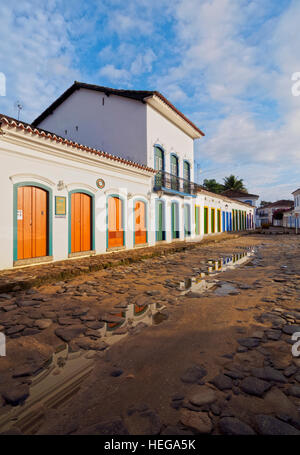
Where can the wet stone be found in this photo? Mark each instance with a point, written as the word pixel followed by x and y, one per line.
pixel 198 421
pixel 116 373
pixel 294 391
pixel 7 308
pixel 268 374
pixel 234 426
pixel 254 386
pixel 290 370
pixel 249 342
pixel 88 344
pixel 273 334
pixel 68 333
pixel 16 394
pixel 111 427
pixel 268 425
pixel 95 325
pixel 15 329
pixel 203 396
pixel 193 374
pixel 290 329
pixel 43 323
pixel 171 430
pixel 30 332
pixel 222 382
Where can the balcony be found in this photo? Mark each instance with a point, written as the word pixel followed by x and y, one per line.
pixel 169 183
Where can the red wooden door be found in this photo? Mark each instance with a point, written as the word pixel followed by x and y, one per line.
pixel 140 230
pixel 32 220
pixel 81 222
pixel 115 223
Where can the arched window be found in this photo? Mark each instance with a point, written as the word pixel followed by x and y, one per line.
pixel 186 176
pixel 159 159
pixel 174 172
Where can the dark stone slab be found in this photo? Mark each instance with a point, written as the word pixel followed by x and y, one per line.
pixel 193 374
pixel 234 426
pixel 254 386
pixel 222 382
pixel 269 425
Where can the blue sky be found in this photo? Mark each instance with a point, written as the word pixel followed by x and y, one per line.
pixel 227 64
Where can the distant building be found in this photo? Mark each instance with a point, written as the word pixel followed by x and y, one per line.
pixel 272 213
pixel 241 196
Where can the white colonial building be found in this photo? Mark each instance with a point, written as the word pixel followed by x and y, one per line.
pixel 130 185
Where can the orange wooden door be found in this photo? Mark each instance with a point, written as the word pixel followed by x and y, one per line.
pixel 115 223
pixel 81 222
pixel 32 222
pixel 140 229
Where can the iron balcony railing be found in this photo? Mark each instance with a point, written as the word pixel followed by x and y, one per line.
pixel 168 182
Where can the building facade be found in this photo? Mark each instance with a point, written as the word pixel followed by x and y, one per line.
pixel 272 214
pixel 64 199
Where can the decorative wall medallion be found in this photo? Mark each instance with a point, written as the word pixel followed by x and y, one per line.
pixel 100 183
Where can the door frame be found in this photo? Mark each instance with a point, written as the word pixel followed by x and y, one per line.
pixel 123 220
pixel 70 218
pixel 176 220
pixel 140 199
pixel 15 218
pixel 163 231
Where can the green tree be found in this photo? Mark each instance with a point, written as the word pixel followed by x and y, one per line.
pixel 234 183
pixel 213 186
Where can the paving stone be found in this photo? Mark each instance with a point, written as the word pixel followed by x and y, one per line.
pixel 30 331
pixel 193 374
pixel 95 325
pixel 222 382
pixel 290 329
pixel 249 342
pixel 273 334
pixel 16 394
pixel 15 329
pixel 95 345
pixel 116 373
pixel 268 425
pixel 199 421
pixel 254 386
pixel 70 332
pixel 172 430
pixel 43 323
pixel 234 426
pixel 294 390
pixel 268 374
pixel 290 370
pixel 111 427
pixel 204 395
pixel 8 308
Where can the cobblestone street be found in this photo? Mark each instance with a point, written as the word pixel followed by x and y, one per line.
pixel 174 343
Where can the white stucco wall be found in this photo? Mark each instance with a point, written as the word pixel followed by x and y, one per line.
pixel 39 161
pixel 160 131
pixel 118 126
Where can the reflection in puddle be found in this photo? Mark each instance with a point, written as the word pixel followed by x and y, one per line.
pixel 198 284
pixel 67 370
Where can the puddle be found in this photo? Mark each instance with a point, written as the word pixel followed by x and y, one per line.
pixel 200 284
pixel 66 371
pixel 225 289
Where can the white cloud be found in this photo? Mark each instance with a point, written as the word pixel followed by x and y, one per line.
pixel 114 74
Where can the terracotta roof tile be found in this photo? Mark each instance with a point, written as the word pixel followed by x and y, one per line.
pixel 12 122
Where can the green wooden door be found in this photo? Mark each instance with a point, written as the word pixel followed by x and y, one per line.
pixel 205 220
pixel 159 221
pixel 174 221
pixel 197 220
pixel 187 221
